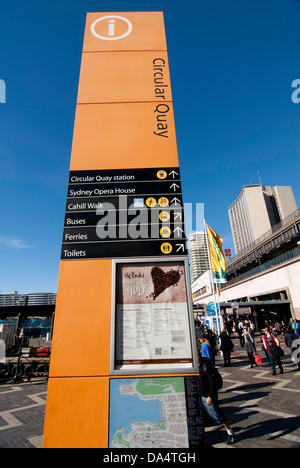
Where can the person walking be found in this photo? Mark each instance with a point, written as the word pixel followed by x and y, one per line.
pixel 297 327
pixel 293 343
pixel 249 346
pixel 226 346
pixel 205 346
pixel 211 337
pixel 251 326
pixel 262 333
pixel 240 332
pixel 211 382
pixel 271 344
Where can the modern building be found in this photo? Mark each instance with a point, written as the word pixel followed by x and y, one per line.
pixel 29 316
pixel 12 298
pixel 257 210
pixel 263 281
pixel 198 253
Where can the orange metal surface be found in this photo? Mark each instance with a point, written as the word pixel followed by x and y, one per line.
pixel 147 32
pixel 81 339
pixel 77 413
pixel 124 77
pixel 117 136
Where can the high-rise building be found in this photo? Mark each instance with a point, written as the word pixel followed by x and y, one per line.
pixel 257 210
pixel 198 253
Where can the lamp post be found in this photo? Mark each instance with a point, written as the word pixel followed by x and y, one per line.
pixel 235 309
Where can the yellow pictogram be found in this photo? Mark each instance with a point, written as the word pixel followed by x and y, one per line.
pixel 151 202
pixel 161 174
pixel 166 248
pixel 163 202
pixel 165 231
pixel 164 216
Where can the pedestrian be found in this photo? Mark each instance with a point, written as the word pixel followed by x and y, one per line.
pixel 249 346
pixel 262 333
pixel 297 327
pixel 283 327
pixel 234 330
pixel 213 345
pixel 226 346
pixel 210 385
pixel 272 345
pixel 252 326
pixel 205 346
pixel 293 343
pixel 240 332
pixel 228 328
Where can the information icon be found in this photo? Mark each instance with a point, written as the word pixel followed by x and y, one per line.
pixel 109 25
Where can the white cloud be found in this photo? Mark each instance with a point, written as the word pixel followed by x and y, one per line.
pixel 15 243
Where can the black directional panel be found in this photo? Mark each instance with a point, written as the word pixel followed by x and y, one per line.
pixel 124 213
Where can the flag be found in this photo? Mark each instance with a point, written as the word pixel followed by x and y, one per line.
pixel 215 243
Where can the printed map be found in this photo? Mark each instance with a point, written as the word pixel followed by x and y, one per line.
pixel 148 413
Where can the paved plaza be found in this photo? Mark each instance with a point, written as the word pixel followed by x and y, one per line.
pixel 263 409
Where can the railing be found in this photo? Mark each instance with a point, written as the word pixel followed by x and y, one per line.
pixel 289 255
pixel 288 220
pixel 20 366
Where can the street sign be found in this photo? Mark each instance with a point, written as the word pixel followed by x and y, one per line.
pixel 124 262
pixel 124 213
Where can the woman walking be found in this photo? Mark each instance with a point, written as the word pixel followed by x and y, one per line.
pixel 249 346
pixel 271 345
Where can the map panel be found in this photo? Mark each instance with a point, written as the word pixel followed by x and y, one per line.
pixel 148 413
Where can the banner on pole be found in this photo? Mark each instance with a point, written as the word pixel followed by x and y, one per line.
pixel 215 243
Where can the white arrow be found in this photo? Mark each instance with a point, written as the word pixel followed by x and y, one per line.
pixel 178 230
pixel 174 186
pixel 180 247
pixel 173 173
pixel 177 216
pixel 175 200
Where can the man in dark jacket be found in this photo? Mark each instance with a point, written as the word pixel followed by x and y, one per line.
pixel 226 347
pixel 209 392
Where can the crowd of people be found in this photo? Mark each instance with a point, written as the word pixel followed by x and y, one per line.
pixel 269 339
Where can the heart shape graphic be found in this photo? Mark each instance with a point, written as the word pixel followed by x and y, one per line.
pixel 163 280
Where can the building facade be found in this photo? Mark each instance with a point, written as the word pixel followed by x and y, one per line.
pixel 263 281
pixel 257 210
pixel 198 253
pixel 31 299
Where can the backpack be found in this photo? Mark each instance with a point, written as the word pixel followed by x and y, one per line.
pixel 217 378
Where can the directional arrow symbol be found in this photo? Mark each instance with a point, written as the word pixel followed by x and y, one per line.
pixel 174 186
pixel 177 216
pixel 178 230
pixel 173 174
pixel 180 247
pixel 176 201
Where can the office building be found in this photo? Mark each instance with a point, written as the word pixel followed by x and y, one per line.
pixel 257 210
pixel 12 298
pixel 198 253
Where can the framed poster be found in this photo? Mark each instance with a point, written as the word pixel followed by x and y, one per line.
pixel 152 319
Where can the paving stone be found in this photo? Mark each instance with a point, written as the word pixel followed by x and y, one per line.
pixel 264 410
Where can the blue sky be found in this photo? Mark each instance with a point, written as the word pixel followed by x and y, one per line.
pixel 232 65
